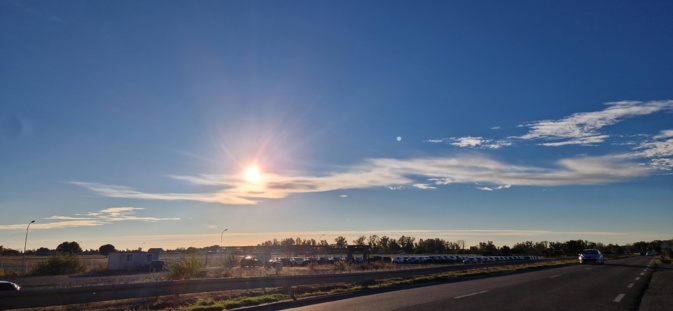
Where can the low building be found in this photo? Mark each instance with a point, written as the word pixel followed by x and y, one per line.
pixel 130 261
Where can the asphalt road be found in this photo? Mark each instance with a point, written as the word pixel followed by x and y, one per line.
pixel 616 285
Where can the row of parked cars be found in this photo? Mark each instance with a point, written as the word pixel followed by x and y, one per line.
pixel 304 261
pixel 435 259
pixel 453 259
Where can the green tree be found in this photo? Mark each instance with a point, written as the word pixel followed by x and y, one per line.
pixel 394 246
pixel 340 242
pixel 407 244
pixel 384 244
pixel 487 248
pixel 69 248
pixel 106 249
pixel 360 241
pixel 287 242
pixel 373 242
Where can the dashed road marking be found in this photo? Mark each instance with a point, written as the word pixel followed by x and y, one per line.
pixel 630 285
pixel 468 295
pixel 554 276
pixel 619 297
pixel 638 278
pixel 642 273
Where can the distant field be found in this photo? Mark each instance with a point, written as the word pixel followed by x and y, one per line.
pixel 13 264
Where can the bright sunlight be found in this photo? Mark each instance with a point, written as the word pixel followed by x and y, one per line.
pixel 252 174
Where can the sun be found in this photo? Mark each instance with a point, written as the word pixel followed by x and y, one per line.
pixel 252 174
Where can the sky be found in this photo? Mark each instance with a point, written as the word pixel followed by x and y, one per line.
pixel 164 123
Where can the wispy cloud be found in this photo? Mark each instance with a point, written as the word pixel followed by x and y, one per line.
pixel 395 174
pixel 577 129
pixel 494 188
pixel 92 219
pixel 582 128
pixel 430 173
pixel 659 150
pixel 472 142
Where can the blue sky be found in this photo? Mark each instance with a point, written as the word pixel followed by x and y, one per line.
pixel 136 123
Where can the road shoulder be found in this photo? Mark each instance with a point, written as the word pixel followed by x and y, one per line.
pixel 659 294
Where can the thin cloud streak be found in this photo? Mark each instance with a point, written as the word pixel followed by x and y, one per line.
pixel 395 174
pixel 582 128
pixel 92 219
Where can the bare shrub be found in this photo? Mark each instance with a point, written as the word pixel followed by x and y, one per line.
pixel 186 268
pixel 59 264
pixel 341 266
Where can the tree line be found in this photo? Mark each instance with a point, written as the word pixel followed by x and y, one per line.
pixel 410 245
pixel 388 245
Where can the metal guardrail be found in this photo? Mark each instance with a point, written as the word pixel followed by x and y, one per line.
pixel 66 296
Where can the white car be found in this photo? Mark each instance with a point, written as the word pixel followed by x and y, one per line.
pixel 591 255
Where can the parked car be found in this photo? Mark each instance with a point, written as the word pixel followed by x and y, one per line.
pixel 250 262
pixel 157 265
pixel 6 286
pixel 591 255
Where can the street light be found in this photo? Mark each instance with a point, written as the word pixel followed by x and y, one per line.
pixel 222 251
pixel 221 236
pixel 25 242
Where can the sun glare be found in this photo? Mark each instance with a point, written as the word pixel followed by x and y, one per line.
pixel 252 174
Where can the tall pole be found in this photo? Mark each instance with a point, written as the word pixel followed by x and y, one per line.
pixel 221 236
pixel 25 242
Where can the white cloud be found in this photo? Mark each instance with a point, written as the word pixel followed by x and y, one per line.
pixel 659 150
pixel 393 174
pixel 424 186
pixel 582 128
pixel 485 188
pixel 99 218
pixel 664 134
pixel 472 142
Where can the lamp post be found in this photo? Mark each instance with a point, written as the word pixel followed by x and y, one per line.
pixel 221 236
pixel 25 242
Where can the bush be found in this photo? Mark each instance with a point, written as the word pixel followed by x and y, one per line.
pixel 186 268
pixel 60 264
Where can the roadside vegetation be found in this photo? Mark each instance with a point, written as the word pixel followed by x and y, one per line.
pixel 59 264
pixel 231 299
pixel 187 268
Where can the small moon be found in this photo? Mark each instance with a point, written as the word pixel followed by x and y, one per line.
pixel 399 138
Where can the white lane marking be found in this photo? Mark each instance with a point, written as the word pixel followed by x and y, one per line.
pixel 619 297
pixel 642 273
pixel 554 276
pixel 638 278
pixel 630 285
pixel 468 295
pixel 589 269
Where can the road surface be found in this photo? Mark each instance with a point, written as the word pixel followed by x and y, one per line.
pixel 616 285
